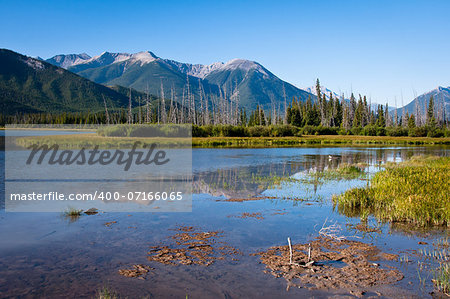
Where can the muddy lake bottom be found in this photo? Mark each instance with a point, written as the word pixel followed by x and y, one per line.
pixel 48 255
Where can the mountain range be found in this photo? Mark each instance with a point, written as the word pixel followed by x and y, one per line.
pixel 441 96
pixel 247 82
pixel 79 82
pixel 32 86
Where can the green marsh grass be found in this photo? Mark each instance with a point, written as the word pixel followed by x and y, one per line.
pixel 442 278
pixel 89 140
pixel 441 274
pixel 106 293
pixel 416 191
pixel 72 212
pixel 343 172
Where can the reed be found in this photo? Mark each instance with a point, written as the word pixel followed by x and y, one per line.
pixel 106 293
pixel 72 212
pixel 441 274
pixel 415 191
pixel 343 172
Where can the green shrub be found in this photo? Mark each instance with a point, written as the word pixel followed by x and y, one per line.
pixel 283 131
pixel 396 131
pixel 357 131
pixel 435 133
pixel 258 131
pixel 370 130
pixel 381 131
pixel 319 130
pixel 417 132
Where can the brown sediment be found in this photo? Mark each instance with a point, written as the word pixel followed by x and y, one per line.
pixel 332 264
pixel 190 247
pixel 258 215
pixel 184 229
pixel 248 215
pixel 364 227
pixel 279 213
pixel 248 199
pixel 108 224
pixel 136 271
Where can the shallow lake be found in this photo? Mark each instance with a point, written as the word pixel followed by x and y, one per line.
pixel 49 255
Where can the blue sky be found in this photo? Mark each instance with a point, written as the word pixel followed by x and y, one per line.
pixel 385 49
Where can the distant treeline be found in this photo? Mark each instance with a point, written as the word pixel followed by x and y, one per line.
pixel 290 130
pixel 322 116
pixel 169 130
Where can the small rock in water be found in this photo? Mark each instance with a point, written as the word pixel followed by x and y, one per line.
pixel 91 211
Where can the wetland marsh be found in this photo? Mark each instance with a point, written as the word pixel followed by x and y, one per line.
pixel 246 203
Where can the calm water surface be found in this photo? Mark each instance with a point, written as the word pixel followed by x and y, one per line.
pixel 46 255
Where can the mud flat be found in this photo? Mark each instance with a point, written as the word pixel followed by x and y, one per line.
pixel 327 264
pixel 192 247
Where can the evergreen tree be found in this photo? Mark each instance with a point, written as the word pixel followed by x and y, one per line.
pixel 411 122
pixel 431 121
pixel 365 119
pixel 381 121
pixel 359 112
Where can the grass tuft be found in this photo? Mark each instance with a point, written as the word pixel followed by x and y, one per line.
pixel 442 278
pixel 72 212
pixel 106 293
pixel 416 191
pixel 343 172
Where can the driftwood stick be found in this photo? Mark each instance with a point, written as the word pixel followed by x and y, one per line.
pixel 290 250
pixel 308 264
pixel 309 252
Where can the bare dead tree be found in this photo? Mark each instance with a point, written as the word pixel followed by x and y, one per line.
pixel 201 117
pixel 139 111
pixel 183 105
pixel 106 110
pixel 147 107
pixel 285 105
pixel 130 115
pixel 207 120
pixel 163 105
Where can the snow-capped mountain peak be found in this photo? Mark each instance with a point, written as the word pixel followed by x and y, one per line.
pixel 202 70
pixel 240 64
pixel 68 60
pixel 323 90
pixel 143 57
pixel 245 65
pixel 107 57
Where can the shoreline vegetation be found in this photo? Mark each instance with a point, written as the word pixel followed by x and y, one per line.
pixel 185 135
pixel 89 140
pixel 416 191
pixel 280 130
